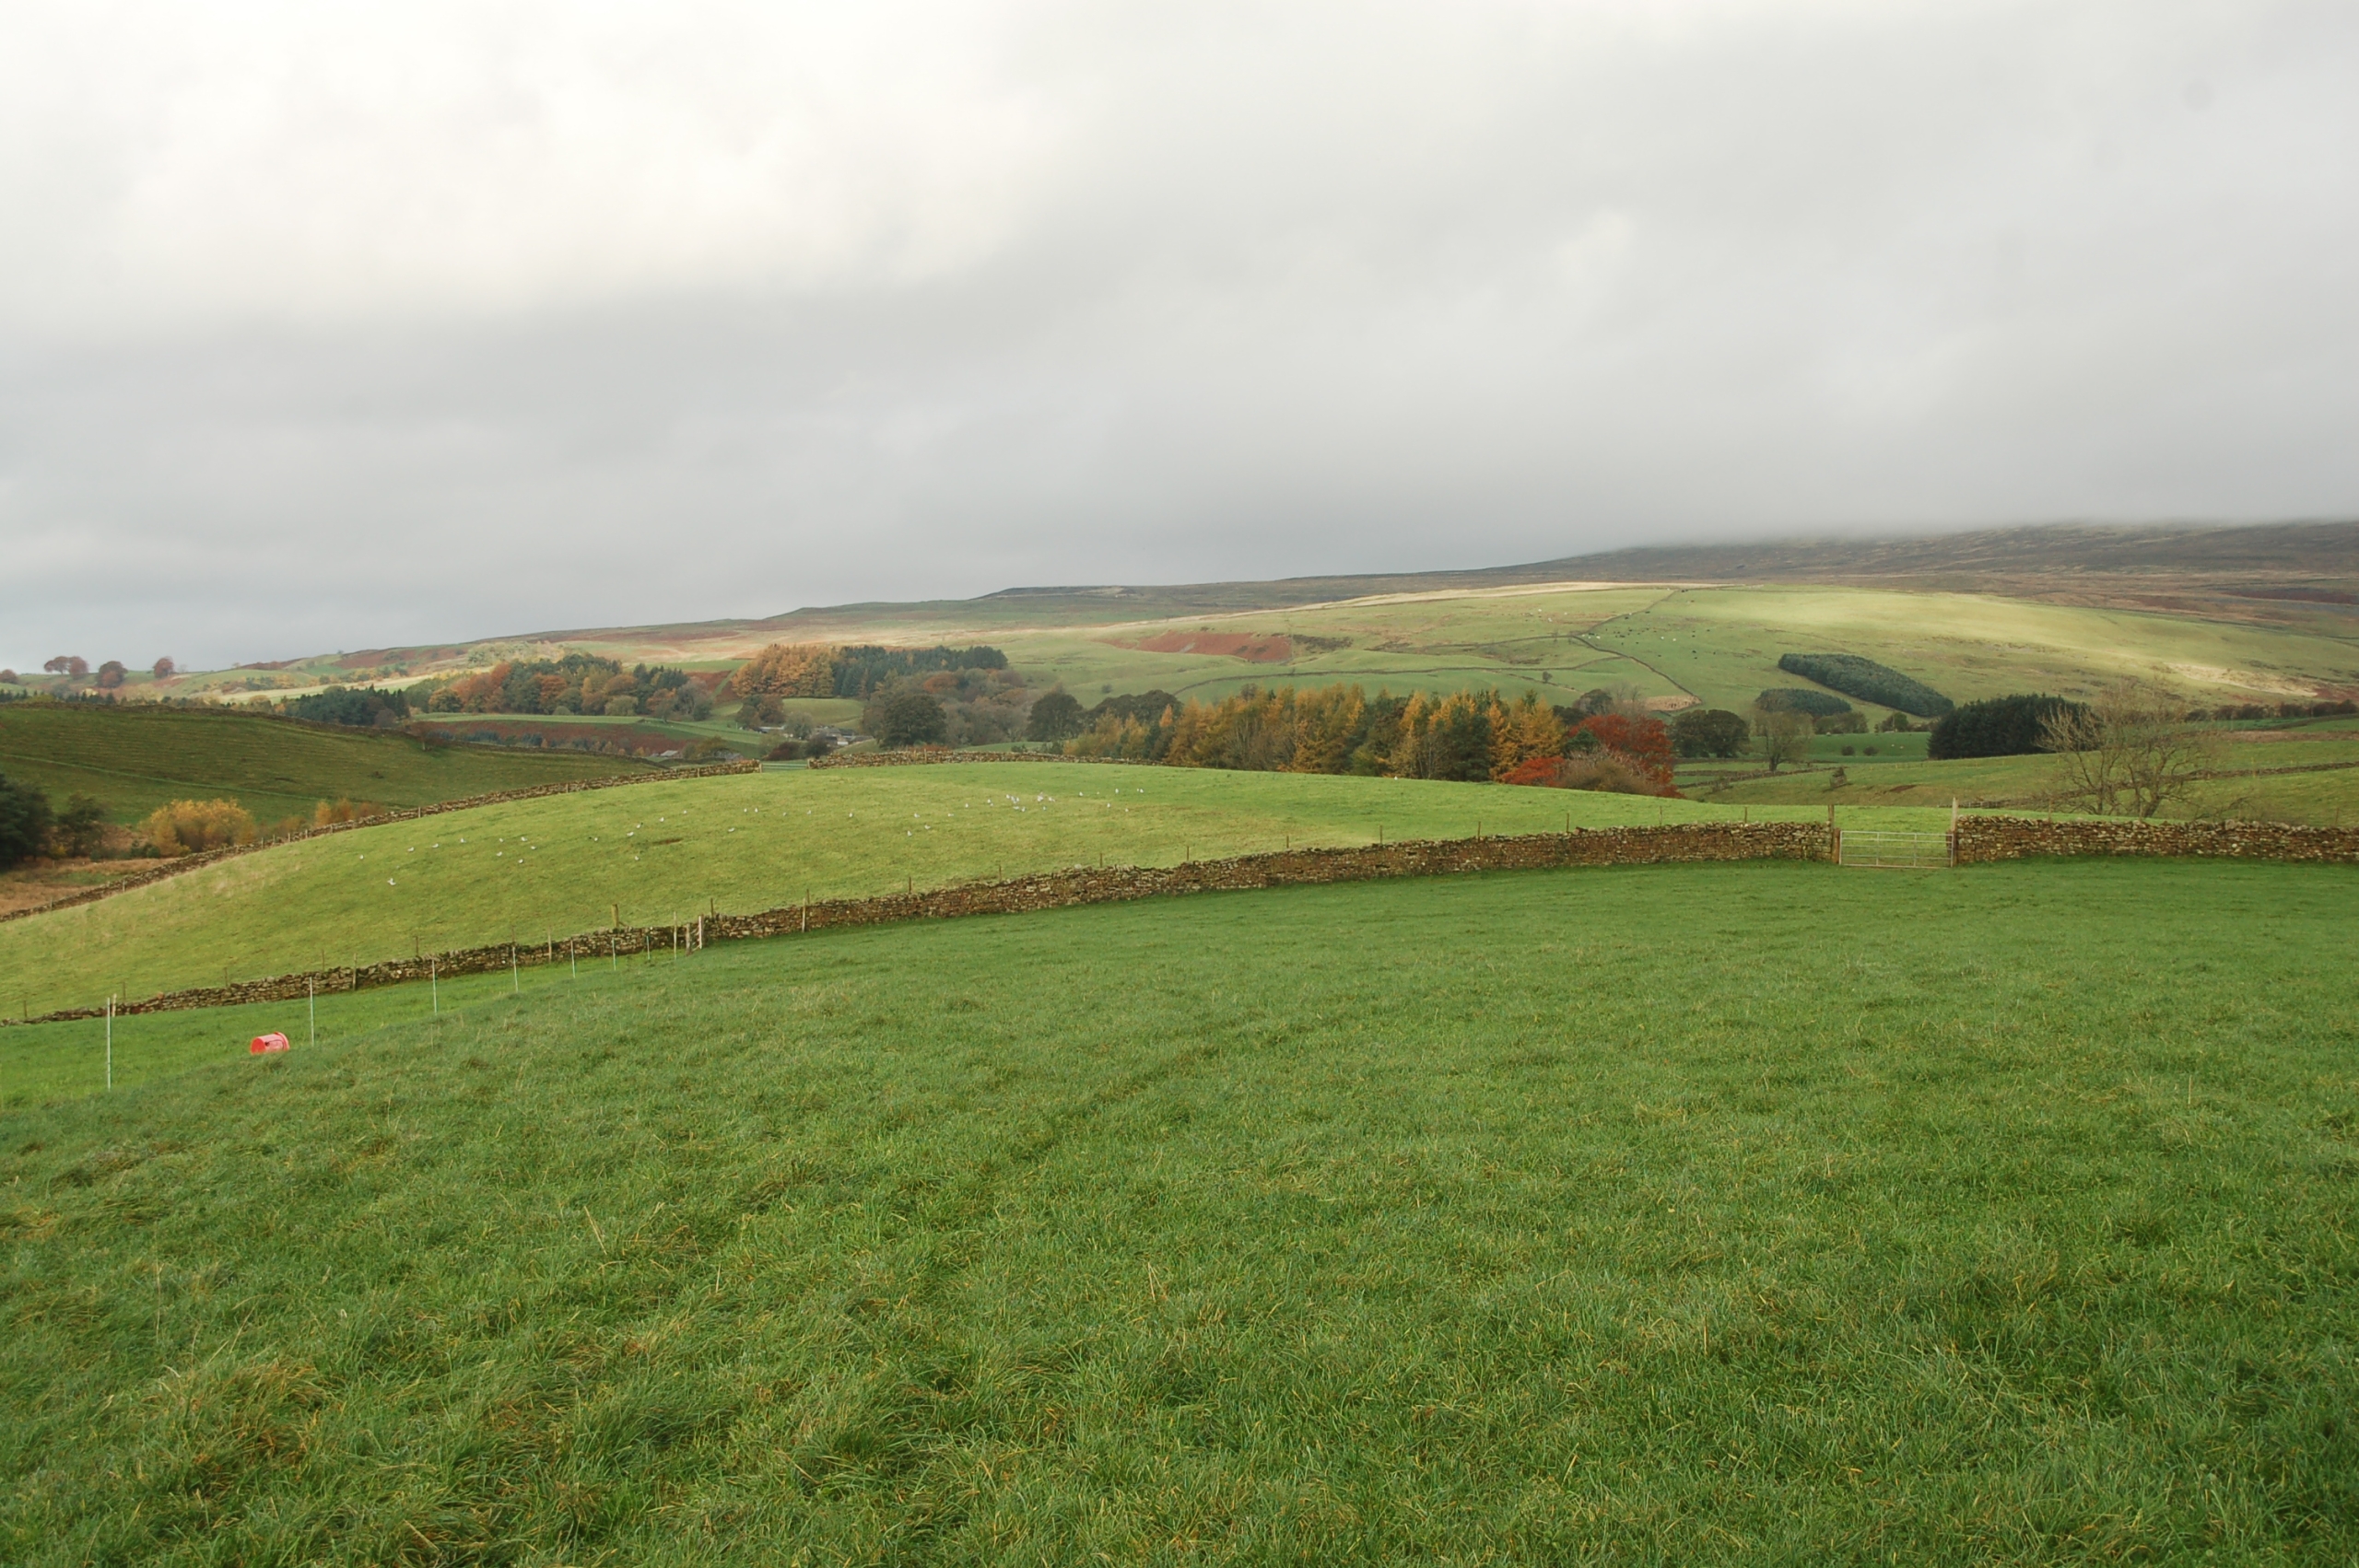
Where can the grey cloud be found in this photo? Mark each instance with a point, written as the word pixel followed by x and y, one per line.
pixel 1162 293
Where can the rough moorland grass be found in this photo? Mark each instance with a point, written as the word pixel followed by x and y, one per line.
pixel 1694 1214
pixel 662 851
pixel 136 758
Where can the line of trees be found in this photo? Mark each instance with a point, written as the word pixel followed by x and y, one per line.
pixel 814 670
pixel 578 682
pixel 1868 681
pixel 1468 735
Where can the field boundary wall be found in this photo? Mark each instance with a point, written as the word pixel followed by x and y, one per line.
pixel 202 857
pixel 1986 839
pixel 921 756
pixel 1979 839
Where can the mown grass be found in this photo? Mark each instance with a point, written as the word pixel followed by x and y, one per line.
pixel 1697 1214
pixel 661 852
pixel 138 758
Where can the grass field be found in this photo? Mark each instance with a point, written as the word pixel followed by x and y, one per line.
pixel 1694 1214
pixel 1899 775
pixel 661 852
pixel 1717 645
pixel 136 758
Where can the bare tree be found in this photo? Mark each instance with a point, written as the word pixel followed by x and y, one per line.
pixel 1782 736
pixel 2132 751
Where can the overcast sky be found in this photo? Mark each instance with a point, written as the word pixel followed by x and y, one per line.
pixel 330 326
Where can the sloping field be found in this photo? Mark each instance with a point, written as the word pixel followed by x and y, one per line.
pixel 136 758
pixel 661 852
pixel 1719 646
pixel 1722 644
pixel 1687 1214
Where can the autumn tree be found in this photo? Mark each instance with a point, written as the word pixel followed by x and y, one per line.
pixel 163 669
pixel 186 827
pixel 785 669
pixel 1523 732
pixel 110 674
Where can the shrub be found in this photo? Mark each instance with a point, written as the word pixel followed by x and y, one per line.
pixel 1868 681
pixel 82 825
pixel 1799 699
pixel 185 826
pixel 1999 726
pixel 1602 771
pixel 326 815
pixel 24 821
pixel 1851 721
pixel 1709 732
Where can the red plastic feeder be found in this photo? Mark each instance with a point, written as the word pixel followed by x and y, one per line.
pixel 264 1043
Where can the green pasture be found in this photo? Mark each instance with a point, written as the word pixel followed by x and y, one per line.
pixel 663 852
pixel 1769 1212
pixel 137 757
pixel 2247 788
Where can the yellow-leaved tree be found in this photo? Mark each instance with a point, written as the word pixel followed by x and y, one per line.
pixel 186 827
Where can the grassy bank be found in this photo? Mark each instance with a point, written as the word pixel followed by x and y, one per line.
pixel 664 851
pixel 1766 1213
pixel 136 758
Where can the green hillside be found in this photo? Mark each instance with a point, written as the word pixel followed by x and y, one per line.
pixel 137 757
pixel 661 852
pixel 1685 1215
pixel 1717 645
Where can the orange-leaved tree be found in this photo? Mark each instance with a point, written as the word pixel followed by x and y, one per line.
pixel 787 669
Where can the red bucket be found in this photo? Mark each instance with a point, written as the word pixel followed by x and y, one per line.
pixel 264 1043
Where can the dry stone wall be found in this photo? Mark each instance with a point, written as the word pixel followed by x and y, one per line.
pixel 2016 838
pixel 1049 890
pixel 918 756
pixel 1979 839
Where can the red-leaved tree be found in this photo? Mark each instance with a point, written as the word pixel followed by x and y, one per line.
pixel 1639 742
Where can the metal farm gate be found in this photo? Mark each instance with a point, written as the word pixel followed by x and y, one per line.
pixel 1898 851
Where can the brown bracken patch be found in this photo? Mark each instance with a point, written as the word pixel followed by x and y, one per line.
pixel 1230 645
